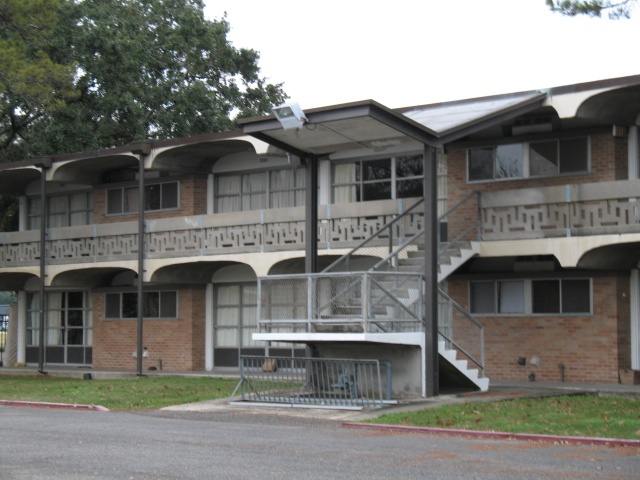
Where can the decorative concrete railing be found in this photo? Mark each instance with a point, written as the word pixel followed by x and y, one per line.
pixel 340 226
pixel 569 210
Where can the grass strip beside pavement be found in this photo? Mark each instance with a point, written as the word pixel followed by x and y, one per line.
pixel 140 393
pixel 576 415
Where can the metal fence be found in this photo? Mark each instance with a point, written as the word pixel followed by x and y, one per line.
pixel 314 382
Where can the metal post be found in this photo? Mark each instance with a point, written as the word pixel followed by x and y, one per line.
pixel 44 164
pixel 431 271
pixel 142 150
pixel 311 216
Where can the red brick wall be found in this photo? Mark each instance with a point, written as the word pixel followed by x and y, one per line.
pixel 592 348
pixel 608 163
pixel 193 201
pixel 178 343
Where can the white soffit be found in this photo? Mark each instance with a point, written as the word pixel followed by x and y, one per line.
pixel 331 136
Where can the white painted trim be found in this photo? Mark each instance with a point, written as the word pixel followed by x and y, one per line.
pixel 208 328
pixel 634 301
pixel 409 338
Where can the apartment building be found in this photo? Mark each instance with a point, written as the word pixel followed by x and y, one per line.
pixel 503 231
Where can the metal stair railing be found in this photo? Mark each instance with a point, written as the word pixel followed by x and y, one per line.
pixel 464 322
pixel 463 230
pixel 391 232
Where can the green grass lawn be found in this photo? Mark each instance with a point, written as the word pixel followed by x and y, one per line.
pixel 581 416
pixel 129 394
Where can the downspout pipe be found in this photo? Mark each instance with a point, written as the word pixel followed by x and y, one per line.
pixel 143 150
pixel 43 164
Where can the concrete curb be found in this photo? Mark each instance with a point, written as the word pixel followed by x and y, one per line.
pixel 614 442
pixel 69 406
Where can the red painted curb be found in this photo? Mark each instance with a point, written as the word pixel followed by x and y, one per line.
pixel 70 406
pixel 615 442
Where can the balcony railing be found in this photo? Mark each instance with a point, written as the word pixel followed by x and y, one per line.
pixel 339 226
pixel 568 210
pixel 571 210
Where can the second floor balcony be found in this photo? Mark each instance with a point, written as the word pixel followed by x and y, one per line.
pixel 546 212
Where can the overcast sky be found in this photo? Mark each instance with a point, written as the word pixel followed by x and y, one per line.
pixel 411 52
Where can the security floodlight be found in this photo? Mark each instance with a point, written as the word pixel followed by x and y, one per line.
pixel 290 116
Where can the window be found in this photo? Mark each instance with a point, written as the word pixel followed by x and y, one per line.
pixel 380 179
pixel 64 210
pixel 235 315
pixel 68 319
pixel 561 296
pixel 157 196
pixel 260 190
pixel 503 161
pixel 558 156
pixel 521 160
pixel 544 297
pixel 163 304
pixel 504 297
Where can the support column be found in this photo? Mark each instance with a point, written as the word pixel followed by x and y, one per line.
pixel 634 300
pixel 208 328
pixel 142 150
pixel 634 153
pixel 430 193
pixel 43 164
pixel 311 215
pixel 21 331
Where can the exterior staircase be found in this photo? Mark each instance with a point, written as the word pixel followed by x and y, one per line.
pixel 384 302
pixel 408 258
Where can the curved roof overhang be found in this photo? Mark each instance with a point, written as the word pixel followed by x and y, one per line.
pixel 14 181
pixel 87 277
pixel 192 273
pixel 619 106
pixel 14 281
pixel 91 170
pixel 601 102
pixel 620 256
pixel 199 154
pixel 195 154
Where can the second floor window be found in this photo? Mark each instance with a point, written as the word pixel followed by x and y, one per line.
pixel 260 190
pixel 381 179
pixel 533 159
pixel 157 196
pixel 64 211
